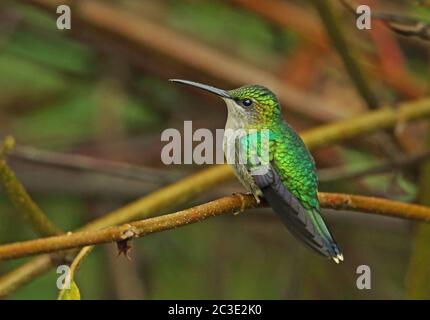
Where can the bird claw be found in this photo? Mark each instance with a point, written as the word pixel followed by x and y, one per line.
pixel 243 202
pixel 257 198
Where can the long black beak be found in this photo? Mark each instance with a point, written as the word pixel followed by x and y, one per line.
pixel 218 92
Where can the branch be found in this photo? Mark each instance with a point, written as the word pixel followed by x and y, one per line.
pixel 86 163
pixel 74 266
pixel 194 185
pixel 345 173
pixel 222 206
pixel 162 199
pixel 20 198
pixel 383 118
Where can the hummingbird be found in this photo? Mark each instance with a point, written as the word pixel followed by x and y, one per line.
pixel 289 183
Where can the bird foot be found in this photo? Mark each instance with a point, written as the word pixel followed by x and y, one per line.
pixel 257 198
pixel 243 202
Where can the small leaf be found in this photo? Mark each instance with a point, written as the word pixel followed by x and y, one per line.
pixel 70 294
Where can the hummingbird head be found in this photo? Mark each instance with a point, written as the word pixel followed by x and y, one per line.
pixel 254 103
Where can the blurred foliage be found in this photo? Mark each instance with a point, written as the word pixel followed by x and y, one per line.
pixel 249 36
pixel 57 89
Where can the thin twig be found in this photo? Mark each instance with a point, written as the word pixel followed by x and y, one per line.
pixel 342 173
pixel 20 198
pixel 222 206
pixel 74 266
pixel 383 118
pixel 405 26
pixel 81 162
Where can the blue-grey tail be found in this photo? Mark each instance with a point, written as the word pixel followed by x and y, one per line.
pixel 306 225
pixel 331 246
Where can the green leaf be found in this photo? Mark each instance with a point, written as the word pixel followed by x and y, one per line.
pixel 70 294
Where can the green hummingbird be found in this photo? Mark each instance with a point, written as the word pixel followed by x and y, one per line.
pixel 289 181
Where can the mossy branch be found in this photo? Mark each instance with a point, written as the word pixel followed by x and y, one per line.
pixel 20 198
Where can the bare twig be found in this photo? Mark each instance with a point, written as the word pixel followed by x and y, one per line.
pixel 342 173
pixel 405 26
pixel 369 122
pixel 20 198
pixel 81 162
pixel 222 206
pixel 74 266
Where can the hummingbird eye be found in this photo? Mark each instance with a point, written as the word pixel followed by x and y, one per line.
pixel 247 102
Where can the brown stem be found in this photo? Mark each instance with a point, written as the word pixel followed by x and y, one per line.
pixel 81 162
pixel 382 118
pixel 344 173
pixel 222 206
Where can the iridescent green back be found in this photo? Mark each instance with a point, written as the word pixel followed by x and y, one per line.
pixel 295 165
pixel 288 153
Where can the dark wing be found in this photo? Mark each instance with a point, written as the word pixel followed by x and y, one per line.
pixel 305 223
pixel 302 223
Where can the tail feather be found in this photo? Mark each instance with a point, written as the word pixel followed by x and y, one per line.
pixel 305 225
pixel 334 250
